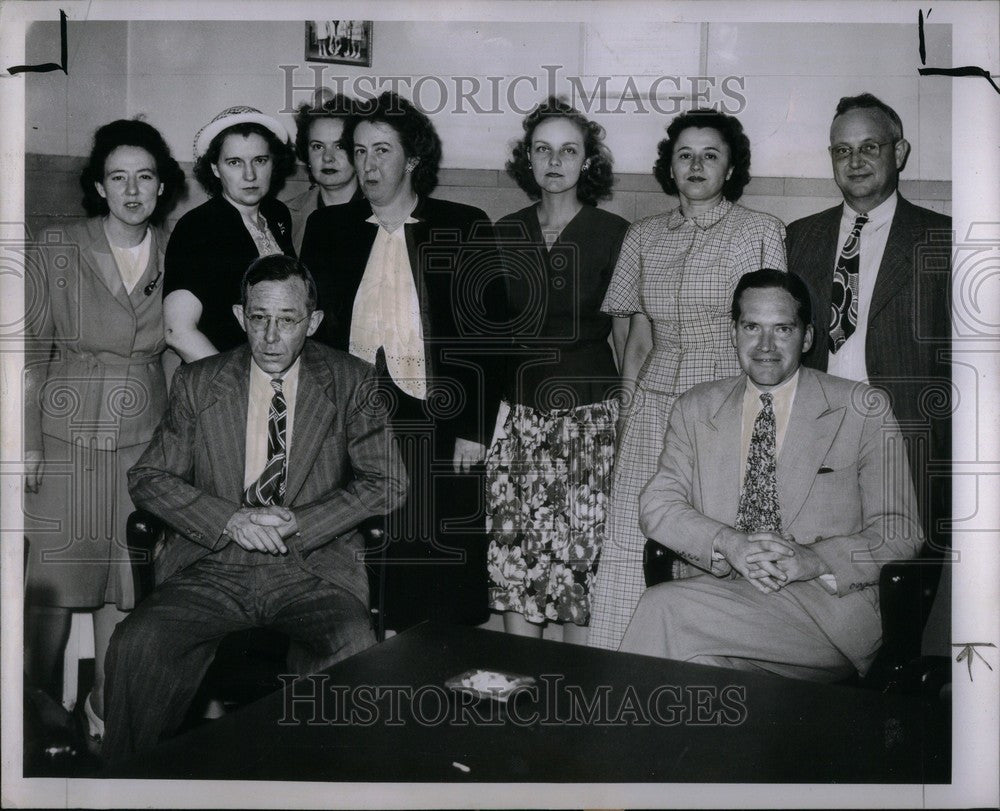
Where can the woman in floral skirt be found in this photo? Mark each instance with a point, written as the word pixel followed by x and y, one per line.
pixel 549 468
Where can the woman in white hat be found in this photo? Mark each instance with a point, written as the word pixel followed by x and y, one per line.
pixel 242 160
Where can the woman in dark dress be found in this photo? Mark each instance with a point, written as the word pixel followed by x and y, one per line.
pixel 242 160
pixel 411 283
pixel 549 470
pixel 318 144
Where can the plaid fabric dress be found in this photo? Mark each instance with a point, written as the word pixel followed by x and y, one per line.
pixel 681 274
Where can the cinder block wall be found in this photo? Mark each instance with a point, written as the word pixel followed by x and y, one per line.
pixel 52 193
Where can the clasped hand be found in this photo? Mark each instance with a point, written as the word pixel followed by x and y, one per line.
pixel 770 560
pixel 467 454
pixel 262 529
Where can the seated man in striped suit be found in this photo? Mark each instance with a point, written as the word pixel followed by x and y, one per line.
pixel 268 459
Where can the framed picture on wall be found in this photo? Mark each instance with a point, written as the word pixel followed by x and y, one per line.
pixel 343 42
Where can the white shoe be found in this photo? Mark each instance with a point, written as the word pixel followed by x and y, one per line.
pixel 95 725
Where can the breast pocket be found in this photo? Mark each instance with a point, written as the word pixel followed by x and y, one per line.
pixel 834 502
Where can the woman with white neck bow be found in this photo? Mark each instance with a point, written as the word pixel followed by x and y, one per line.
pixel 411 283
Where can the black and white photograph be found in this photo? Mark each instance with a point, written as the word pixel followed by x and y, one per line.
pixel 342 42
pixel 561 405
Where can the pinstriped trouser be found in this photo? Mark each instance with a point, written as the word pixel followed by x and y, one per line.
pixel 161 651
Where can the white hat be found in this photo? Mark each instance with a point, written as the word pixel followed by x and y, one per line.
pixel 230 117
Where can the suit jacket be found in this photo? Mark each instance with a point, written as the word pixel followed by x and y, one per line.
pixel 457 275
pixel 909 324
pixel 843 486
pixel 343 467
pixel 98 370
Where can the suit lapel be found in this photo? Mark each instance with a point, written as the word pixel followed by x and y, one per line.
pixel 714 441
pixel 225 420
pixel 138 297
pixel 418 236
pixel 896 269
pixel 815 258
pixel 827 234
pixel 314 412
pixel 103 262
pixel 812 427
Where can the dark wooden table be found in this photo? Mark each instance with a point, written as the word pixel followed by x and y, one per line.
pixel 595 716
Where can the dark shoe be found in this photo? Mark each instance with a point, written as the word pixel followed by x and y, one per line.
pixel 53 745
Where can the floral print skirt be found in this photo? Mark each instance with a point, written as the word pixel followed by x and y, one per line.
pixel 548 477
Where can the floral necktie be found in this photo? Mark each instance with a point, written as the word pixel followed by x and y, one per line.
pixel 759 510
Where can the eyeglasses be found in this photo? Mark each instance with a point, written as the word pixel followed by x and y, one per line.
pixel 260 322
pixel 869 149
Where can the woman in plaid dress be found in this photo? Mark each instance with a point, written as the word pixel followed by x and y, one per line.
pixel 549 470
pixel 674 282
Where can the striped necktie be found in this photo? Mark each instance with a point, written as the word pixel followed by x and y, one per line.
pixel 758 509
pixel 269 489
pixel 846 287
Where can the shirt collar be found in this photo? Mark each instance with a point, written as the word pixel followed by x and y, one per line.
pixel 881 215
pixel 408 221
pixel 784 393
pixel 704 221
pixel 289 376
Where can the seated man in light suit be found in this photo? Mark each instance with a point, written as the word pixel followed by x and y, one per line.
pixel 790 489
pixel 267 460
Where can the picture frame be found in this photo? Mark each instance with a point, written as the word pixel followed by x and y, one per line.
pixel 339 42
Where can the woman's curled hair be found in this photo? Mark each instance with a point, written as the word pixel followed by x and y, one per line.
pixel 595 181
pixel 131 132
pixel 416 133
pixel 729 128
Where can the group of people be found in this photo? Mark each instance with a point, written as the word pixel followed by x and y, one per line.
pixel 521 406
pixel 343 38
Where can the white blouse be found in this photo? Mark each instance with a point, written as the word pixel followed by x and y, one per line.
pixel 387 313
pixel 132 261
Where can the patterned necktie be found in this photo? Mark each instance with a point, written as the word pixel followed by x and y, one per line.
pixel 844 297
pixel 269 489
pixel 759 510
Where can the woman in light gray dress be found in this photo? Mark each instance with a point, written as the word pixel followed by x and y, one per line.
pixel 94 396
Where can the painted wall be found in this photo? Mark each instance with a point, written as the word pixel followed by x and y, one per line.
pixel 62 111
pixel 180 74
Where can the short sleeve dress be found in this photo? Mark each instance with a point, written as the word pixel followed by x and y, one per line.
pixel 548 472
pixel 209 251
pixel 681 274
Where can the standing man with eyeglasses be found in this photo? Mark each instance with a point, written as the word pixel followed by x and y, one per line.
pixel 879 272
pixel 267 460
